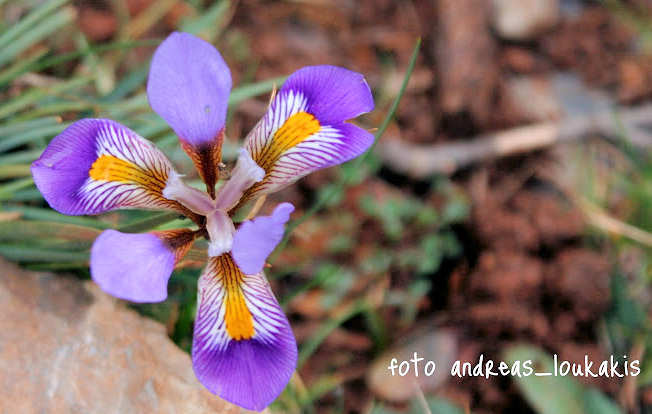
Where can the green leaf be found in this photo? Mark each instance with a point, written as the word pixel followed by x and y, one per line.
pixel 23 230
pixel 149 222
pixel 549 394
pixel 596 402
pixel 12 128
pixel 35 34
pixel 436 405
pixel 14 171
pixel 46 214
pixel 39 254
pixel 209 22
pixel 311 345
pixel 8 190
pixel 26 137
pixel 20 157
pixel 29 21
pixel 554 394
pixel 36 95
pixel 21 66
pixel 253 89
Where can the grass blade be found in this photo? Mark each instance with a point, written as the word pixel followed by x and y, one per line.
pixel 20 157
pixel 39 254
pixel 8 190
pixel 20 66
pixel 311 345
pixel 14 171
pixel 34 95
pixel 18 127
pixel 149 223
pixel 46 214
pixel 23 230
pixel 36 34
pixel 29 21
pixel 29 136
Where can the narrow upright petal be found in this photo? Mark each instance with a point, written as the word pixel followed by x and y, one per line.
pixel 137 267
pixel 245 174
pixel 195 200
pixel 305 128
pixel 97 165
pixel 243 348
pixel 188 86
pixel 255 239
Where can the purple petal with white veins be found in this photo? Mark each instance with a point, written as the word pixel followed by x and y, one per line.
pixel 243 348
pixel 255 239
pixel 188 86
pixel 137 267
pixel 305 127
pixel 96 165
pixel 333 94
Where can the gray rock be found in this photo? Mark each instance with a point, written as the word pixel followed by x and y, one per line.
pixel 523 19
pixel 66 347
pixel 434 346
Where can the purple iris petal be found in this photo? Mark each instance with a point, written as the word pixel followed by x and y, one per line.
pixel 357 141
pixel 189 85
pixel 63 167
pixel 255 239
pixel 249 373
pixel 334 94
pixel 96 165
pixel 305 127
pixel 252 369
pixel 134 267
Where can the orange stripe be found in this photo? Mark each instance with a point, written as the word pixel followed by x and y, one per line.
pixel 110 168
pixel 239 322
pixel 294 130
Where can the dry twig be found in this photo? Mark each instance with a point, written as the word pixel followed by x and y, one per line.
pixel 421 161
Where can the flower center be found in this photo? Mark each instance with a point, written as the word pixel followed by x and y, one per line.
pixel 219 226
pixel 193 199
pixel 245 174
pixel 220 230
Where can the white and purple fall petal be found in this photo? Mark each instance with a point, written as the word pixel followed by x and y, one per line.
pixel 243 348
pixel 305 128
pixel 97 165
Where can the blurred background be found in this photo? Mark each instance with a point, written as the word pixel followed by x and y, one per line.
pixel 506 211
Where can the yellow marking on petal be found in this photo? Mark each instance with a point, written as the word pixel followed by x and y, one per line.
pixel 110 168
pixel 239 321
pixel 294 130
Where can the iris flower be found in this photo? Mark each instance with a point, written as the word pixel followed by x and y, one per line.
pixel 243 348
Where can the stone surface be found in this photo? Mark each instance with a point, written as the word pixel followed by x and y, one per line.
pixel 66 347
pixel 524 19
pixel 534 98
pixel 439 346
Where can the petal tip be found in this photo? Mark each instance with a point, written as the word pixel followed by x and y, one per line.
pixel 252 372
pixel 133 267
pixel 282 212
pixel 256 239
pixel 188 86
